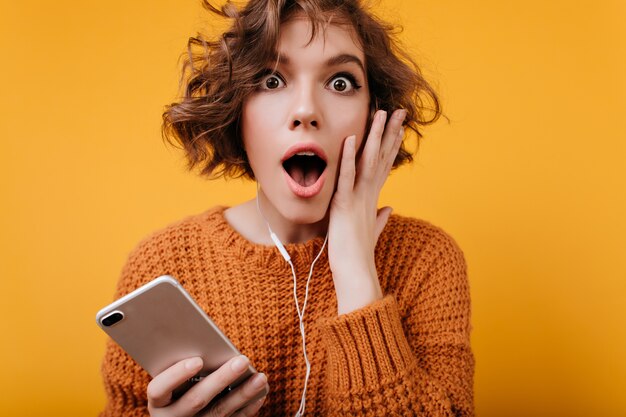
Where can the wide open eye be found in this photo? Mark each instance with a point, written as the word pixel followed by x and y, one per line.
pixel 343 83
pixel 271 82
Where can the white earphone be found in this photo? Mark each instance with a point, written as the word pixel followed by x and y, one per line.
pixel 285 255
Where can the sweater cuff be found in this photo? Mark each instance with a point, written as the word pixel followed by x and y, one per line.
pixel 367 347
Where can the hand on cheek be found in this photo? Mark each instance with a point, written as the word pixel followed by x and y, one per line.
pixel 355 222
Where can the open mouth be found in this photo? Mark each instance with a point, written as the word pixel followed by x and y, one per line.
pixel 305 167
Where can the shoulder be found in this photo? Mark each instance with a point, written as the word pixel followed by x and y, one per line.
pixel 170 249
pixel 180 233
pixel 411 235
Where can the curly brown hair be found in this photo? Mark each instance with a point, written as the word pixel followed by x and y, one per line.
pixel 218 75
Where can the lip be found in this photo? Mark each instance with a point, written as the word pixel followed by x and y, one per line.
pixel 297 189
pixel 304 147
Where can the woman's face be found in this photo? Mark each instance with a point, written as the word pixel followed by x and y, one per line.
pixel 295 124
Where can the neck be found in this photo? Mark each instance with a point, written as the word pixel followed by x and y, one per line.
pixel 246 219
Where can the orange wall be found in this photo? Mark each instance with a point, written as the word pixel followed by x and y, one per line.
pixel 528 176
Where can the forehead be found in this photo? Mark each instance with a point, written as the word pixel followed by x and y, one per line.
pixel 330 39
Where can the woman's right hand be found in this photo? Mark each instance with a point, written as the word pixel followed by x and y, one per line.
pixel 198 398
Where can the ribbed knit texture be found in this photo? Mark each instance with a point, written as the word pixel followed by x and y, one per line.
pixel 405 355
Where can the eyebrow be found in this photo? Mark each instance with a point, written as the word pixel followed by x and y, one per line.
pixel 345 59
pixel 332 61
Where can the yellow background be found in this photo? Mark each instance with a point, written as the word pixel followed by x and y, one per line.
pixel 528 176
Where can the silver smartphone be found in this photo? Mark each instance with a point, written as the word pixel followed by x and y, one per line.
pixel 159 324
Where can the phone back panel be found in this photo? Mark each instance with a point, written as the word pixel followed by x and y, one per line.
pixel 162 325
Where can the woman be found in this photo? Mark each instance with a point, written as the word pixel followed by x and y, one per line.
pixel 308 98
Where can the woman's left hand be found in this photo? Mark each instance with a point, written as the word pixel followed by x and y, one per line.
pixel 355 223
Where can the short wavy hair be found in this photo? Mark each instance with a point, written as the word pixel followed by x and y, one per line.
pixel 219 74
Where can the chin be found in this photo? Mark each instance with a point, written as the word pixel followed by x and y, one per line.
pixel 306 212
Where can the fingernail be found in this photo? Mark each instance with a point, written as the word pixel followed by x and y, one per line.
pixel 382 116
pixel 259 380
pixel 193 363
pixel 400 115
pixel 239 364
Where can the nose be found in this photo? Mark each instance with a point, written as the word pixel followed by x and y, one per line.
pixel 306 112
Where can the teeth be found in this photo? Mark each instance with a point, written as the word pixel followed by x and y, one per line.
pixel 306 153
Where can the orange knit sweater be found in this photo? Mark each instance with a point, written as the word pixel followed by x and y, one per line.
pixel 405 355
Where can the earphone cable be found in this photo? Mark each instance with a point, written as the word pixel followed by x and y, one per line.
pixel 300 313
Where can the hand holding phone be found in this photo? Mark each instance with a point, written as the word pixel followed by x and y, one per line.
pixel 193 364
pixel 243 400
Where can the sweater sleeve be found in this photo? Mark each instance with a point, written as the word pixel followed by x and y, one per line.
pixel 414 360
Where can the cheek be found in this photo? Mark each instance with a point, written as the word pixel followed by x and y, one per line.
pixel 265 111
pixel 258 128
pixel 352 120
pixel 252 114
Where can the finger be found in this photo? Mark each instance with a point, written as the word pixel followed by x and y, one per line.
pixel 388 164
pixel 347 169
pixel 206 390
pixel 370 156
pixel 160 388
pixel 253 389
pixel 388 149
pixel 251 409
pixel 381 220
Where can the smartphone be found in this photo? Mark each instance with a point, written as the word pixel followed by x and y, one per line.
pixel 159 324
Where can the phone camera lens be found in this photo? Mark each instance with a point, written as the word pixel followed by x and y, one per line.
pixel 112 318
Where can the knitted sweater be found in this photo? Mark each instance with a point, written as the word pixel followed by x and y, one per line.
pixel 405 355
